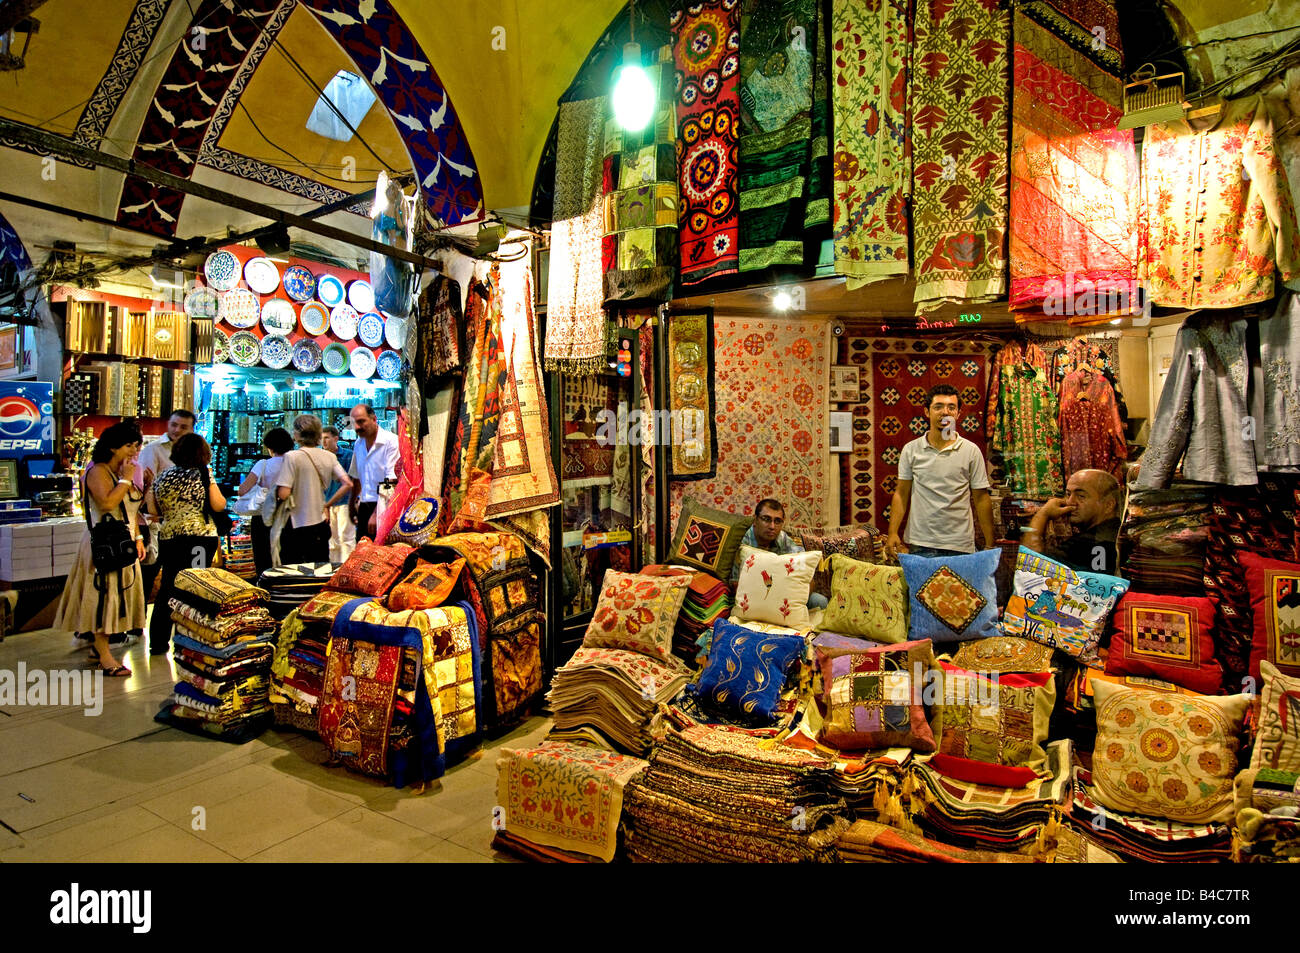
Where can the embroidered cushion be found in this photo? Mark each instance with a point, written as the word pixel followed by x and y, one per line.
pixel 1166 637
pixel 774 588
pixel 1003 653
pixel 1001 719
pixel 372 570
pixel 952 598
pixel 866 600
pixel 746 672
pixel 707 539
pixel 427 586
pixel 858 542
pixel 418 523
pixel 1275 600
pixel 1059 606
pixel 637 613
pixel 324 606
pixel 1166 755
pixel 876 698
pixel 1277 739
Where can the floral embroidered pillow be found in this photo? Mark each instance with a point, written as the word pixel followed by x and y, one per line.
pixel 998 717
pixel 866 600
pixel 774 588
pixel 746 672
pixel 1166 755
pixel 1166 637
pixel 1059 606
pixel 952 598
pixel 637 613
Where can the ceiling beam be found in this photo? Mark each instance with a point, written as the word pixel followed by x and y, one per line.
pixel 50 144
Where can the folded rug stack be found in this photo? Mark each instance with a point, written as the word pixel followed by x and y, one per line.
pixel 288 587
pixel 707 600
pixel 1153 839
pixel 713 795
pixel 562 801
pixel 873 843
pixel 239 556
pixel 617 693
pixel 223 645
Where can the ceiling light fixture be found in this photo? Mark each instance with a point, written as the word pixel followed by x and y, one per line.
pixel 634 94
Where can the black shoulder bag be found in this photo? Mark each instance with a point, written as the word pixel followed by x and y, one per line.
pixel 220 519
pixel 112 547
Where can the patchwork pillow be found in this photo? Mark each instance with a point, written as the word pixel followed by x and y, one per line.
pixel 1166 637
pixel 707 539
pixel 372 570
pixel 876 698
pixel 952 598
pixel 1166 755
pixel 418 523
pixel 637 613
pixel 746 672
pixel 866 600
pixel 324 606
pixel 1277 739
pixel 1001 719
pixel 774 588
pixel 856 542
pixel 1003 653
pixel 427 586
pixel 1059 606
pixel 1275 600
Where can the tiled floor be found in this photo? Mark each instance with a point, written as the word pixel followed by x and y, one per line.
pixel 120 787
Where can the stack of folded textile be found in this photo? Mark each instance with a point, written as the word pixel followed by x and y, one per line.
pixel 964 809
pixel 616 693
pixel 868 842
pixel 239 556
pixel 1152 839
pixel 1164 538
pixel 298 672
pixel 707 600
pixel 288 587
pixel 712 795
pixel 223 646
pixel 563 797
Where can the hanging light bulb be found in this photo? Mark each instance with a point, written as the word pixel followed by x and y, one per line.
pixel 634 94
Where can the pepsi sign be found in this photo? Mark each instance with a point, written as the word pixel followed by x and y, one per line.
pixel 26 419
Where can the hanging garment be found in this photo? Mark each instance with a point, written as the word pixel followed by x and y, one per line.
pixel 1279 365
pixel 706 48
pixel 1092 435
pixel 1026 434
pixel 1216 220
pixel 960 101
pixel 869 49
pixel 1073 174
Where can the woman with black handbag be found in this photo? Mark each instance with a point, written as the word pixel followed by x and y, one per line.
pixel 104 593
pixel 186 499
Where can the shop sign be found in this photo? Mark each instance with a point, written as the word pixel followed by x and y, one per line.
pixel 26 419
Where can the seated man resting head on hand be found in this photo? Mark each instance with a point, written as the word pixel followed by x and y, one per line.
pixel 1091 504
pixel 767 534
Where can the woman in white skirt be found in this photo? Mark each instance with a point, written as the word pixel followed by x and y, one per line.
pixel 107 604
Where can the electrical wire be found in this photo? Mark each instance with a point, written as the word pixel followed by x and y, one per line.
pixel 269 141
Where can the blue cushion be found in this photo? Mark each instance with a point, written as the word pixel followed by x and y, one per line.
pixel 746 672
pixel 952 598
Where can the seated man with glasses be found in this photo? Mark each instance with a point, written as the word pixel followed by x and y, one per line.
pixel 767 534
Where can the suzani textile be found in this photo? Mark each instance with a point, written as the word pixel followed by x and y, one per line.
pixel 771 428
pixel 1073 174
pixel 690 395
pixel 961 83
pixel 869 54
pixel 706 38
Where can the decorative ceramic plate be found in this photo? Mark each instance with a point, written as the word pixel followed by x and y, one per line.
pixel 343 322
pixel 395 331
pixel 261 275
pixel 362 364
pixel 389 365
pixel 245 349
pixel 306 356
pixel 371 329
pixel 361 296
pixel 277 352
pixel 220 346
pixel 299 283
pixel 239 308
pixel 335 359
pixel 330 290
pixel 278 317
pixel 222 270
pixel 202 303
pixel 315 318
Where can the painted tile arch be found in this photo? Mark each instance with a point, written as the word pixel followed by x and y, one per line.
pixel 371 33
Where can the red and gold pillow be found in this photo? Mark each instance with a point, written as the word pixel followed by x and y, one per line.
pixel 427 586
pixel 372 570
pixel 1275 600
pixel 637 613
pixel 1166 637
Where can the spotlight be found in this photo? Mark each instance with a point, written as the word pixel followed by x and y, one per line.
pixel 634 94
pixel 1117 321
pixel 782 301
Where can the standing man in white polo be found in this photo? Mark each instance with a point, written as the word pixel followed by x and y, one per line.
pixel 374 460
pixel 939 473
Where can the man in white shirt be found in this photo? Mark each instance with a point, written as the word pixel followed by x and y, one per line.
pixel 939 474
pixel 154 459
pixel 374 460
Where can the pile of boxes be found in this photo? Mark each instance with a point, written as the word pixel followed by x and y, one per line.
pixel 36 550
